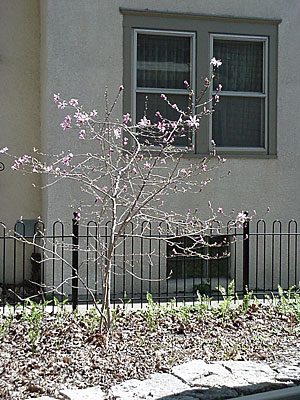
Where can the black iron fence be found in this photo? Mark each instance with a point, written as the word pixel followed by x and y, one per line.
pixel 67 262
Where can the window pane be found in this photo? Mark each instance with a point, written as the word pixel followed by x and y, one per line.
pixel 239 122
pixel 163 61
pixel 155 103
pixel 242 65
pixel 183 266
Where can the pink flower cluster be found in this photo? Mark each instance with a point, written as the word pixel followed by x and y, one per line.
pixel 81 117
pixel 20 161
pixel 67 159
pixel 194 121
pixel 215 63
pixel 67 123
pixel 144 122
pixel 126 118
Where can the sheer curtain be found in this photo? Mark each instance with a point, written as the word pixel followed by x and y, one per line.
pixel 163 61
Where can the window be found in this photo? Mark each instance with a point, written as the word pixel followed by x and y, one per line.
pixel 239 120
pixel 161 50
pixel 215 262
pixel 162 62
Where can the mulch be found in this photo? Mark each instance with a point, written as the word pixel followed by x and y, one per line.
pixel 69 352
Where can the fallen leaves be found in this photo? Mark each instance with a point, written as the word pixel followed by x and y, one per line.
pixel 69 355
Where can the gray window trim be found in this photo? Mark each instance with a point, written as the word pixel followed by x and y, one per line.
pixel 203 26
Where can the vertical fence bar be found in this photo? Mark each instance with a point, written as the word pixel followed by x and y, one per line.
pixel 246 254
pixel 75 240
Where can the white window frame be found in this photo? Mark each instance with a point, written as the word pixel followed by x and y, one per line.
pixel 263 94
pixel 166 91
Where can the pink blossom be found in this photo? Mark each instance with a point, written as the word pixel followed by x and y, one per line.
pixel 4 150
pixel 217 98
pixel 163 161
pixel 209 204
pixel 215 63
pixel 82 134
pixel 125 141
pixel 219 87
pixel 144 122
pixel 77 216
pixel 204 167
pixel 241 217
pixel 184 171
pixel 20 161
pixel 220 210
pixel 62 104
pixel 158 114
pixel 193 121
pixel 213 143
pixel 126 118
pixel 121 88
pixel 161 126
pixel 268 209
pixel 67 123
pixel 254 212
pixel 186 83
pixel 117 132
pixel 105 188
pixel 81 117
pixel 93 113
pixel 66 160
pixel 48 169
pixel 73 102
pixel 175 106
pixel 125 187
pixel 56 97
pixel 134 171
pixel 163 96
pixel 206 81
pixel 147 165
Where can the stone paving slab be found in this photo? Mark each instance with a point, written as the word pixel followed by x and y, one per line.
pixel 155 387
pixel 94 393
pixel 198 380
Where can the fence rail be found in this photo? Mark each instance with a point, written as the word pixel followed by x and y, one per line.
pixel 260 257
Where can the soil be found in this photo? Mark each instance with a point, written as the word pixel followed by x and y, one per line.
pixel 44 353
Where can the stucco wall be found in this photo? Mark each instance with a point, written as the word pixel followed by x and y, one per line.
pixel 82 53
pixel 19 104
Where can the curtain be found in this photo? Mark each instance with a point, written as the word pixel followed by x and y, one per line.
pixel 242 65
pixel 163 61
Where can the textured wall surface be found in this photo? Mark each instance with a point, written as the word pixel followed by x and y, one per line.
pixel 20 104
pixel 82 53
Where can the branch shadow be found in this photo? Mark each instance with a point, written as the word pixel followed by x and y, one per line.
pixel 225 392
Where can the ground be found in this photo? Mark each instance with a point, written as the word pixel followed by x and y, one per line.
pixel 42 353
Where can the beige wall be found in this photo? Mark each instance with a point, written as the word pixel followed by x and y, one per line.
pixel 19 104
pixel 84 54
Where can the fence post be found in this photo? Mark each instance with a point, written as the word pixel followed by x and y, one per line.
pixel 75 250
pixel 246 254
